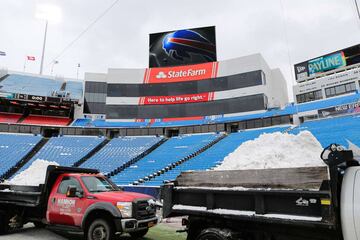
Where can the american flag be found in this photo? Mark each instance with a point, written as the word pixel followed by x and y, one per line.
pixel 30 58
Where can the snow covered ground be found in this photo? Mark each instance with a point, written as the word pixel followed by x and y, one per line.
pixel 275 150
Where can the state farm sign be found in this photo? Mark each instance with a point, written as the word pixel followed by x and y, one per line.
pixel 181 73
pixel 178 99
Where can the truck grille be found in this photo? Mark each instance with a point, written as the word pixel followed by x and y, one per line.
pixel 143 210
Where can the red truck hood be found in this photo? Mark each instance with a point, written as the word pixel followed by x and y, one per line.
pixel 121 196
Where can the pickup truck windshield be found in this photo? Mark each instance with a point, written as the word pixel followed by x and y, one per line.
pixel 97 184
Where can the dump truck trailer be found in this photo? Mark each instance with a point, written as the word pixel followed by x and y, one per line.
pixel 317 203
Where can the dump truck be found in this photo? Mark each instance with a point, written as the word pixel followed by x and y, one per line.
pixel 311 203
pixel 77 200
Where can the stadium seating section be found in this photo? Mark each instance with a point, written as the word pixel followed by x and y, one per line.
pixel 13 148
pixel 9 118
pixel 171 151
pixel 214 155
pixel 66 150
pixel 119 151
pixel 46 120
pixel 75 89
pixel 15 83
pixel 334 130
pixel 190 152
pixel 39 86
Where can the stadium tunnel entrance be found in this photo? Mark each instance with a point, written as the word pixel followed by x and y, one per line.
pixel 50 132
pixel 172 132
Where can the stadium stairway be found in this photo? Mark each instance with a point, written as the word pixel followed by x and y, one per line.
pixel 3 77
pixel 11 172
pixel 180 161
pixel 91 153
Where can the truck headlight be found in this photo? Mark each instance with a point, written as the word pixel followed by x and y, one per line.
pixel 125 208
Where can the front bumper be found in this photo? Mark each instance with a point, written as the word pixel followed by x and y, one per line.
pixel 132 225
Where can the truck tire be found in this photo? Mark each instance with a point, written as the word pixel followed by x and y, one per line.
pixel 39 225
pixel 4 225
pixel 214 234
pixel 100 229
pixel 139 234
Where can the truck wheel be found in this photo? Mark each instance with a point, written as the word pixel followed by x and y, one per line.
pixel 214 234
pixel 100 229
pixel 4 225
pixel 139 234
pixel 39 225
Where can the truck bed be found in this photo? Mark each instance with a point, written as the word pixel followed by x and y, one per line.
pixel 34 196
pixel 28 196
pixel 284 196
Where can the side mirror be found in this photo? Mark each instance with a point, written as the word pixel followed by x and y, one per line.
pixel 71 192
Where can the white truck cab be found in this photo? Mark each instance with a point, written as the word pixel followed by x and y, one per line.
pixel 350 204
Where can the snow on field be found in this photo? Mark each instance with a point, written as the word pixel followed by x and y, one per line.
pixel 34 175
pixel 275 150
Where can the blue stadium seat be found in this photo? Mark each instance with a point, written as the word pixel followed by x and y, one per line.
pixel 81 122
pixel 66 150
pixel 214 155
pixel 13 148
pixel 334 130
pixel 119 151
pixel 169 152
pixel 75 89
pixel 15 83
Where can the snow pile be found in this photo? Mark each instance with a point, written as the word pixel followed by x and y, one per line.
pixel 34 175
pixel 275 150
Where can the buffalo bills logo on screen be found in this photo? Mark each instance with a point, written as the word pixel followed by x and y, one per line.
pixel 182 47
pixel 181 44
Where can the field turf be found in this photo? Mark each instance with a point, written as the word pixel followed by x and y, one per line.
pixel 162 232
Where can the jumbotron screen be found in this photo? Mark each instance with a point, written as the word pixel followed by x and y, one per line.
pixel 182 47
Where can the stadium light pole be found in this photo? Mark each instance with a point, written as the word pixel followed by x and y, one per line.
pixel 43 48
pixel 49 13
pixel 357 8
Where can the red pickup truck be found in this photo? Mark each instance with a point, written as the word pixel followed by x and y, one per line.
pixel 77 200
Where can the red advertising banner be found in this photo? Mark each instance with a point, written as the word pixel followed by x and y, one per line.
pixel 178 99
pixel 182 119
pixel 181 73
pixel 153 120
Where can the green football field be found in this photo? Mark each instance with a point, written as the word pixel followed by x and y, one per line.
pixel 162 232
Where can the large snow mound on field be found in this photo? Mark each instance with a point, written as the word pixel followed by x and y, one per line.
pixel 275 150
pixel 34 175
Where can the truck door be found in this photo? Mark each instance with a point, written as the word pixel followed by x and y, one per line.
pixel 357 204
pixel 65 210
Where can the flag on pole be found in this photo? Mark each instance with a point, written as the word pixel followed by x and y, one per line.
pixel 2 53
pixel 30 58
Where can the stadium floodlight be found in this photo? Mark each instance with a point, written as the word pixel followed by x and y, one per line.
pixel 49 13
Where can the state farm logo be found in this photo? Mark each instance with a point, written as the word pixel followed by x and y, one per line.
pixel 161 75
pixel 181 73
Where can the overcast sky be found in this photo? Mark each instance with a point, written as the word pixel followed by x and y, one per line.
pixel 285 32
